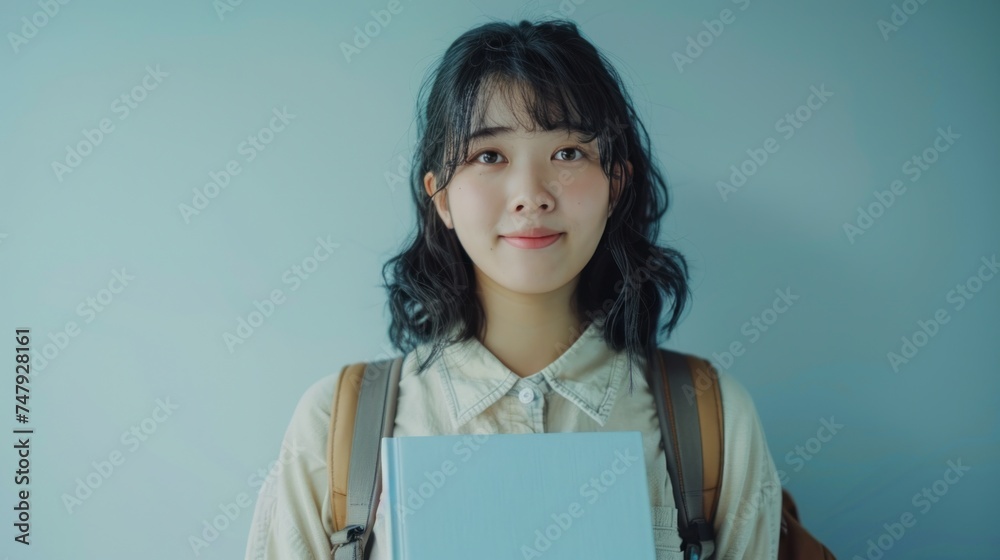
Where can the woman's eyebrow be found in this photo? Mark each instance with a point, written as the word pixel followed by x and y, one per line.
pixel 489 132
pixel 492 131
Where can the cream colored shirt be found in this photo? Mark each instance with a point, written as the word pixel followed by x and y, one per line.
pixel 467 390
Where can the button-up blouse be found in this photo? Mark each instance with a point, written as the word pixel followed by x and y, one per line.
pixel 468 390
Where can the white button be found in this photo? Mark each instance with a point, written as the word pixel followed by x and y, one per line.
pixel 526 395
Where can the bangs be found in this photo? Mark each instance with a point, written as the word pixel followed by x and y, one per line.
pixel 536 103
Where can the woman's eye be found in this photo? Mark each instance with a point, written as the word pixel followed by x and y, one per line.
pixel 577 150
pixel 490 155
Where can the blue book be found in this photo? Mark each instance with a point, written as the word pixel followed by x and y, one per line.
pixel 557 496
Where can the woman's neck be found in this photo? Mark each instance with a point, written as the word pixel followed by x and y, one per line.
pixel 527 332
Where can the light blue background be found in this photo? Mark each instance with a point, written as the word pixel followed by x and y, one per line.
pixel 324 175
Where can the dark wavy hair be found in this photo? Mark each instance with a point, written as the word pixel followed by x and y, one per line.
pixel 563 83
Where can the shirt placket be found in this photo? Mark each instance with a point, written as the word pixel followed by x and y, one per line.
pixel 530 393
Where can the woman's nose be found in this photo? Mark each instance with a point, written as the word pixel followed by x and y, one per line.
pixel 531 189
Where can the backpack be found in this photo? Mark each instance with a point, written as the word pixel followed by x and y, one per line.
pixel 691 431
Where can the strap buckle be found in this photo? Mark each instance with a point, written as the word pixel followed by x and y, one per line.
pixel 702 545
pixel 692 552
pixel 349 534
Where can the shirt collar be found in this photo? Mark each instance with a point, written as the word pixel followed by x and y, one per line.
pixel 588 374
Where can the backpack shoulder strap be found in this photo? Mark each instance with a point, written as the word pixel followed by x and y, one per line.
pixel 366 399
pixel 689 397
pixel 689 405
pixel 339 439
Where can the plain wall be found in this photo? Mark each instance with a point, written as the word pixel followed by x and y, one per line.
pixel 64 235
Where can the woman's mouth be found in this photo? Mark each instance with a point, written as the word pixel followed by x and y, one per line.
pixel 533 242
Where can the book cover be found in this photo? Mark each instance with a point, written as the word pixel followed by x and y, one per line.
pixel 558 496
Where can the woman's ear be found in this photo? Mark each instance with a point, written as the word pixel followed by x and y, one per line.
pixel 440 200
pixel 617 184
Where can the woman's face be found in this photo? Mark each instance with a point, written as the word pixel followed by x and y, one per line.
pixel 514 181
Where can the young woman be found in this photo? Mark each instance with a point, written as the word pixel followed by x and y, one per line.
pixel 530 298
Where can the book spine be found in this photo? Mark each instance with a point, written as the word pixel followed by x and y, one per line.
pixel 390 466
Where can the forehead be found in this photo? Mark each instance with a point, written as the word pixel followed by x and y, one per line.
pixel 509 109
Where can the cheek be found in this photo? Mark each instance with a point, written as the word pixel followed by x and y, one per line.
pixel 588 200
pixel 587 206
pixel 474 206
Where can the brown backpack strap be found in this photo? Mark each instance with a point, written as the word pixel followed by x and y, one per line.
pixel 794 541
pixel 689 406
pixel 341 437
pixel 362 413
pixel 709 397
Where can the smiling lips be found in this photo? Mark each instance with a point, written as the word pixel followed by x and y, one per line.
pixel 533 242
